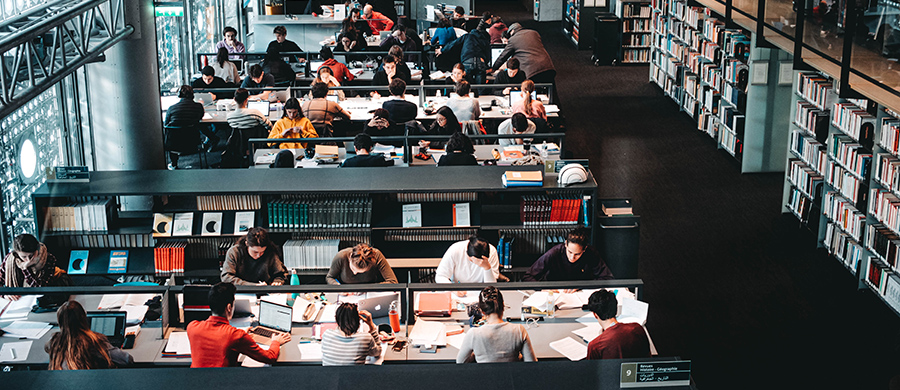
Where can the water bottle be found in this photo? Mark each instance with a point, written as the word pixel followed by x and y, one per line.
pixel 394 316
pixel 551 304
pixel 295 281
pixel 544 152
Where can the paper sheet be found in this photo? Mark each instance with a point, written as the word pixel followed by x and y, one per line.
pixel 633 311
pixel 428 332
pixel 15 352
pixel 249 362
pixel 135 314
pixel 178 343
pixel 27 329
pixel 112 301
pixel 456 340
pixel 310 351
pixel 589 332
pixel 15 310
pixel 570 348
pixel 587 319
pixel 328 312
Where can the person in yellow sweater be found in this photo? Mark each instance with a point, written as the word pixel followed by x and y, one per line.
pixel 293 125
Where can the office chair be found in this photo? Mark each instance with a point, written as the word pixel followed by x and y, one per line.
pixel 184 141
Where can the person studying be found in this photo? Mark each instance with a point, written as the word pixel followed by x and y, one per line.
pixel 574 259
pixel 254 260
pixel 321 111
pixel 77 347
pixel 377 20
pixel 618 340
pixel 470 261
pixel 231 43
pixel 339 70
pixel 292 125
pixel 215 343
pixel 225 69
pixel 360 264
pixel 258 79
pixel 464 106
pixel 496 340
pixel 400 109
pixel 459 151
pixel 517 124
pixel 364 144
pixel 29 265
pixel 346 345
pixel 281 44
pixel 209 80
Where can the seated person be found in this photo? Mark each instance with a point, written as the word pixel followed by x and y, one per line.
pixel 284 159
pixel 457 74
pixel 281 72
pixel 398 38
pixel 225 69
pixel 360 264
pixel 346 345
pixel 496 340
pixel 458 19
pixel 215 343
pixel 532 108
pixel 464 106
pixel 402 67
pixel 511 75
pixel 351 38
pixel 444 33
pixel 29 265
pixel 617 341
pixel 339 70
pixel 326 76
pixel 381 126
pixel 363 144
pixel 496 29
pixel 574 259
pixel 470 261
pixel 518 124
pixel 321 111
pixel 254 260
pixel 185 114
pixel 388 72
pixel 292 125
pixel 445 123
pixel 459 151
pixel 247 118
pixel 361 25
pixel 230 43
pixel 258 79
pixel 400 109
pixel 282 45
pixel 377 20
pixel 77 347
pixel 209 80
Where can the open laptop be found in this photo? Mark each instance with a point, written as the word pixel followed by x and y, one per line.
pixel 384 35
pixel 315 65
pixel 204 98
pixel 110 324
pixel 516 96
pixel 334 98
pixel 495 54
pixel 280 96
pixel 274 319
pixel 378 306
pixel 262 106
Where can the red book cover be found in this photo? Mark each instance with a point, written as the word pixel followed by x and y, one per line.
pixel 577 213
pixel 554 210
pixel 523 207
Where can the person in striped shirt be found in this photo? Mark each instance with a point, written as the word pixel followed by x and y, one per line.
pixel 346 345
pixel 246 118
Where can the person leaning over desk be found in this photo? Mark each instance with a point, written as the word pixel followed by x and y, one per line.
pixel 360 264
pixel 574 259
pixel 209 80
pixel 29 265
pixel 346 345
pixel 470 261
pixel 258 79
pixel 496 340
pixel 618 340
pixel 464 106
pixel 77 347
pixel 339 70
pixel 400 109
pixel 510 75
pixel 459 151
pixel 399 38
pixel 215 343
pixel 363 144
pixel 321 111
pixel 377 20
pixel 517 124
pixel 292 125
pixel 254 260
pixel 527 47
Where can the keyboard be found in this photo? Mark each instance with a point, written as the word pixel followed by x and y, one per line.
pixel 263 332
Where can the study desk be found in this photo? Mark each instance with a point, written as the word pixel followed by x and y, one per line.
pixel 306 30
pixel 262 157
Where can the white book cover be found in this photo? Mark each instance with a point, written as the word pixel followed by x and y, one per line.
pixel 243 221
pixel 412 215
pixel 162 225
pixel 461 214
pixel 212 224
pixel 183 224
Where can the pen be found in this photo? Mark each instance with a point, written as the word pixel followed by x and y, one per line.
pixel 13 351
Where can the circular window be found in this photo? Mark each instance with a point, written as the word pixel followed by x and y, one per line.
pixel 28 159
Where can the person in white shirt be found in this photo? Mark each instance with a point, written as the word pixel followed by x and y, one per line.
pixel 518 124
pixel 464 106
pixel 471 261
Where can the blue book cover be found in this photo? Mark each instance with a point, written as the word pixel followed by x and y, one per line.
pixel 118 261
pixel 78 262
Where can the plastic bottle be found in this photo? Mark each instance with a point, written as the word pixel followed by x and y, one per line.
pixel 394 316
pixel 295 281
pixel 551 304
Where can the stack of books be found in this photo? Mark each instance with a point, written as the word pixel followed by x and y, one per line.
pixel 168 258
pixel 326 153
pixel 523 179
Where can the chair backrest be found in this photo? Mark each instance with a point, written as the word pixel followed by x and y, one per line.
pixel 182 139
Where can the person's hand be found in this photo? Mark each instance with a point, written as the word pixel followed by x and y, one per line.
pixel 367 317
pixel 437 51
pixel 481 262
pixel 277 283
pixel 213 95
pixel 424 144
pixel 301 60
pixel 280 338
pixel 460 293
pixel 396 34
pixel 261 284
pixel 506 90
pixel 375 94
pixel 12 297
pixel 286 132
pixel 390 75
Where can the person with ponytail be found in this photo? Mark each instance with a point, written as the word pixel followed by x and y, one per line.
pixel 76 347
pixel 254 260
pixel 532 108
pixel 29 265
pixel 496 340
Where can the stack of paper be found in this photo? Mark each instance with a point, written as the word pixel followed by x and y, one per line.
pixel 133 304
pixel 570 348
pixel 15 352
pixel 179 346
pixel 428 333
pixel 326 152
pixel 16 310
pixel 27 329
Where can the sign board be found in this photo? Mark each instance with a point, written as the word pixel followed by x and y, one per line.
pixel 656 374
pixel 554 166
pixel 74 174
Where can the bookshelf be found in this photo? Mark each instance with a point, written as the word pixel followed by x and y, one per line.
pixel 578 22
pixel 359 205
pixel 636 34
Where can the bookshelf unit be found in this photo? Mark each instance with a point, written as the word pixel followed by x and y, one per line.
pixel 636 34
pixel 276 197
pixel 578 22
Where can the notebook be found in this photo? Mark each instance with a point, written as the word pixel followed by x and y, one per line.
pixel 435 304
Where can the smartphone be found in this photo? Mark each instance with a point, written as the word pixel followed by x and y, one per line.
pixel 398 345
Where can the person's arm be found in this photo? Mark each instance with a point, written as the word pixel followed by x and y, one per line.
pixel 538 270
pixel 601 270
pixel 466 352
pixel 229 269
pixel 276 132
pixel 444 272
pixel 539 108
pixel 335 271
pixel 341 112
pixel 387 43
pixel 388 23
pixel 450 45
pixel 527 350
pixel 493 272
pixel 477 110
pixel 347 74
pixel 235 74
pixel 508 51
pixel 308 130
pixel 119 357
pixel 278 271
pixel 247 346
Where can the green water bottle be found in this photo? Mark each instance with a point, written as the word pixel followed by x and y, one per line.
pixel 295 281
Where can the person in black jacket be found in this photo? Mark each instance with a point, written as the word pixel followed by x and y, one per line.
pixel 389 71
pixel 475 52
pixel 381 125
pixel 182 124
pixel 445 123
pixel 573 260
pixel 400 109
pixel 282 45
pixel 459 151
pixel 511 75
pixel 363 144
pixel 209 80
pixel 274 65
pixel 350 38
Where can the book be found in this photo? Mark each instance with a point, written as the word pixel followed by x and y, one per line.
pixel 212 224
pixel 183 225
pixel 118 261
pixel 326 152
pixel 162 225
pixel 412 215
pixel 512 153
pixel 78 262
pixel 508 182
pixel 243 221
pixel 616 207
pixel 461 214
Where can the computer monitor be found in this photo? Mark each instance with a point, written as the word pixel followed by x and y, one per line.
pixel 275 316
pixel 516 96
pixel 262 106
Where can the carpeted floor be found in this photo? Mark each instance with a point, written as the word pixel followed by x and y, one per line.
pixel 733 284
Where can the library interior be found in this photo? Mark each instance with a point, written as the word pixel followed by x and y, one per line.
pixel 598 194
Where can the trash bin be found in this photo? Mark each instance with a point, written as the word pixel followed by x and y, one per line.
pixel 607 39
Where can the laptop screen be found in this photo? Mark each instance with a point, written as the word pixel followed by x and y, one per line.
pixel 495 54
pixel 263 107
pixel 275 316
pixel 110 324
pixel 333 98
pixel 516 96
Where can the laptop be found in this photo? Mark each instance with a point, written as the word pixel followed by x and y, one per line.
pixel 333 98
pixel 274 319
pixel 516 96
pixel 378 306
pixel 384 35
pixel 204 98
pixel 315 65
pixel 280 96
pixel 262 106
pixel 110 324
pixel 495 54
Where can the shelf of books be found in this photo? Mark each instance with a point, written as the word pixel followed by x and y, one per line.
pixel 636 31
pixel 187 229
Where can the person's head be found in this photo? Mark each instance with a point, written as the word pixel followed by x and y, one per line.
pixel 256 73
pixel 576 243
pixel 284 159
pixel 221 299
pixel 459 12
pixel 319 90
pixel 486 17
pixel 363 141
pixel 390 64
pixel 400 33
pixel 477 247
pixel 367 11
pixel 604 304
pixel 345 40
pixel 256 242
pixel 446 118
pixel 71 317
pixel 513 28
pixel 76 346
pixel 444 22
pixel 396 51
pixel 458 73
pixel 462 88
pixel 25 245
pixel 186 92
pixel 397 87
pixel 354 14
pixel 323 73
pixel 230 34
pixel 512 66
pixel 221 56
pixel 326 53
pixel 347 318
pixel 208 74
pixel 490 301
pixel 292 109
pixel 460 143
pixel 280 33
pixel 381 113
pixel 496 19
pixel 241 96
pixel 362 256
pixel 519 122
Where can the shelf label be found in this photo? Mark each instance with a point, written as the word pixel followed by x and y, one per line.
pixel 412 215
pixel 656 374
pixel 73 174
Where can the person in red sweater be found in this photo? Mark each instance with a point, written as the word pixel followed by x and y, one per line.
pixel 377 20
pixel 618 340
pixel 215 343
pixel 340 71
